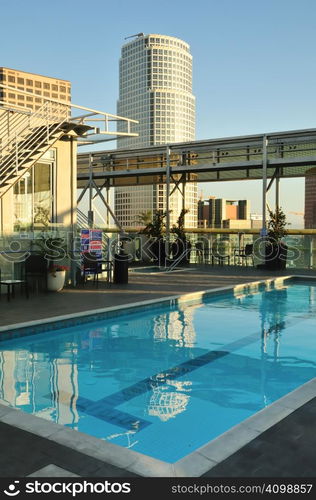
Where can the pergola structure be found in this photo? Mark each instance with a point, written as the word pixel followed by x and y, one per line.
pixel 267 157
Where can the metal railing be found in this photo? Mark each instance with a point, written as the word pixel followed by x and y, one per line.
pixel 26 135
pixel 17 124
pixel 215 248
pixel 238 158
pixel 26 138
pixel 98 125
pixel 218 247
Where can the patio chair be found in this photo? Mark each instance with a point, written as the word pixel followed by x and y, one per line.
pixel 10 284
pixel 220 252
pixel 199 252
pixel 91 266
pixel 107 267
pixel 35 271
pixel 242 255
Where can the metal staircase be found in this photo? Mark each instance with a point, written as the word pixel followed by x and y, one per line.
pixel 26 136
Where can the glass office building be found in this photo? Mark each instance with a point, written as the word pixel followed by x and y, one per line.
pixel 156 90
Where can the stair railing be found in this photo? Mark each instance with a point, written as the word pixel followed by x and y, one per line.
pixel 30 135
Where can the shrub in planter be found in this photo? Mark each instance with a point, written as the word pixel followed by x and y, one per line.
pixel 141 240
pixel 276 249
pixel 181 247
pixel 154 230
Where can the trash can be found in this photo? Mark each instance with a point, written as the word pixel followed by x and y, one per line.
pixel 120 271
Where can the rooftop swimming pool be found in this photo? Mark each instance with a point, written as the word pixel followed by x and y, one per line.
pixel 166 380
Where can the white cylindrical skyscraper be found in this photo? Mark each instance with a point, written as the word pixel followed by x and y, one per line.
pixel 156 90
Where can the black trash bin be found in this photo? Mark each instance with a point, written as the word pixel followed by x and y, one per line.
pixel 120 271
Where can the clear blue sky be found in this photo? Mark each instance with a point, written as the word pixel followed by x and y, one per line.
pixel 254 62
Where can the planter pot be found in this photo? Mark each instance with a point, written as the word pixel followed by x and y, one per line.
pixel 56 281
pixel 128 248
pixel 276 255
pixel 158 249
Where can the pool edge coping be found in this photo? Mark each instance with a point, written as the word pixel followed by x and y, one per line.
pixel 187 297
pixel 194 464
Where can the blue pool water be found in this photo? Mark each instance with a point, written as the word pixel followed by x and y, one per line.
pixel 166 381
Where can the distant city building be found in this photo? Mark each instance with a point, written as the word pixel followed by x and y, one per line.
pixel 310 199
pixel 256 221
pixel 156 89
pixel 237 224
pixel 219 213
pixel 42 86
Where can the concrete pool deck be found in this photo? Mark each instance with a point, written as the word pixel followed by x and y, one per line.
pixel 291 438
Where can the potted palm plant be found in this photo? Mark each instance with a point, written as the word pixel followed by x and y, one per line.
pixel 276 249
pixel 181 246
pixel 142 221
pixel 154 230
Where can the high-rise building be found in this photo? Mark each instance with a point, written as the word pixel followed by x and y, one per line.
pixel 156 90
pixel 310 199
pixel 219 213
pixel 42 86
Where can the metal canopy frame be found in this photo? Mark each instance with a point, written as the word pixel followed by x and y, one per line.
pixel 264 156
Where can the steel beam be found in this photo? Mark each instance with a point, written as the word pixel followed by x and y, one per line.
pixel 98 190
pixel 168 173
pixel 264 184
pixel 277 191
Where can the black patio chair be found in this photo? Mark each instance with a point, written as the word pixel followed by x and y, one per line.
pixel 242 255
pixel 35 271
pixel 220 252
pixel 91 266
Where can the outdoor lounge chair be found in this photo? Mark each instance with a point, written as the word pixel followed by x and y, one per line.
pixel 91 266
pixel 242 255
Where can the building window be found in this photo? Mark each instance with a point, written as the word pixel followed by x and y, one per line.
pixel 33 198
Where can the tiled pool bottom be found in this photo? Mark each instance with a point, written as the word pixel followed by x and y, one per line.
pixel 165 393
